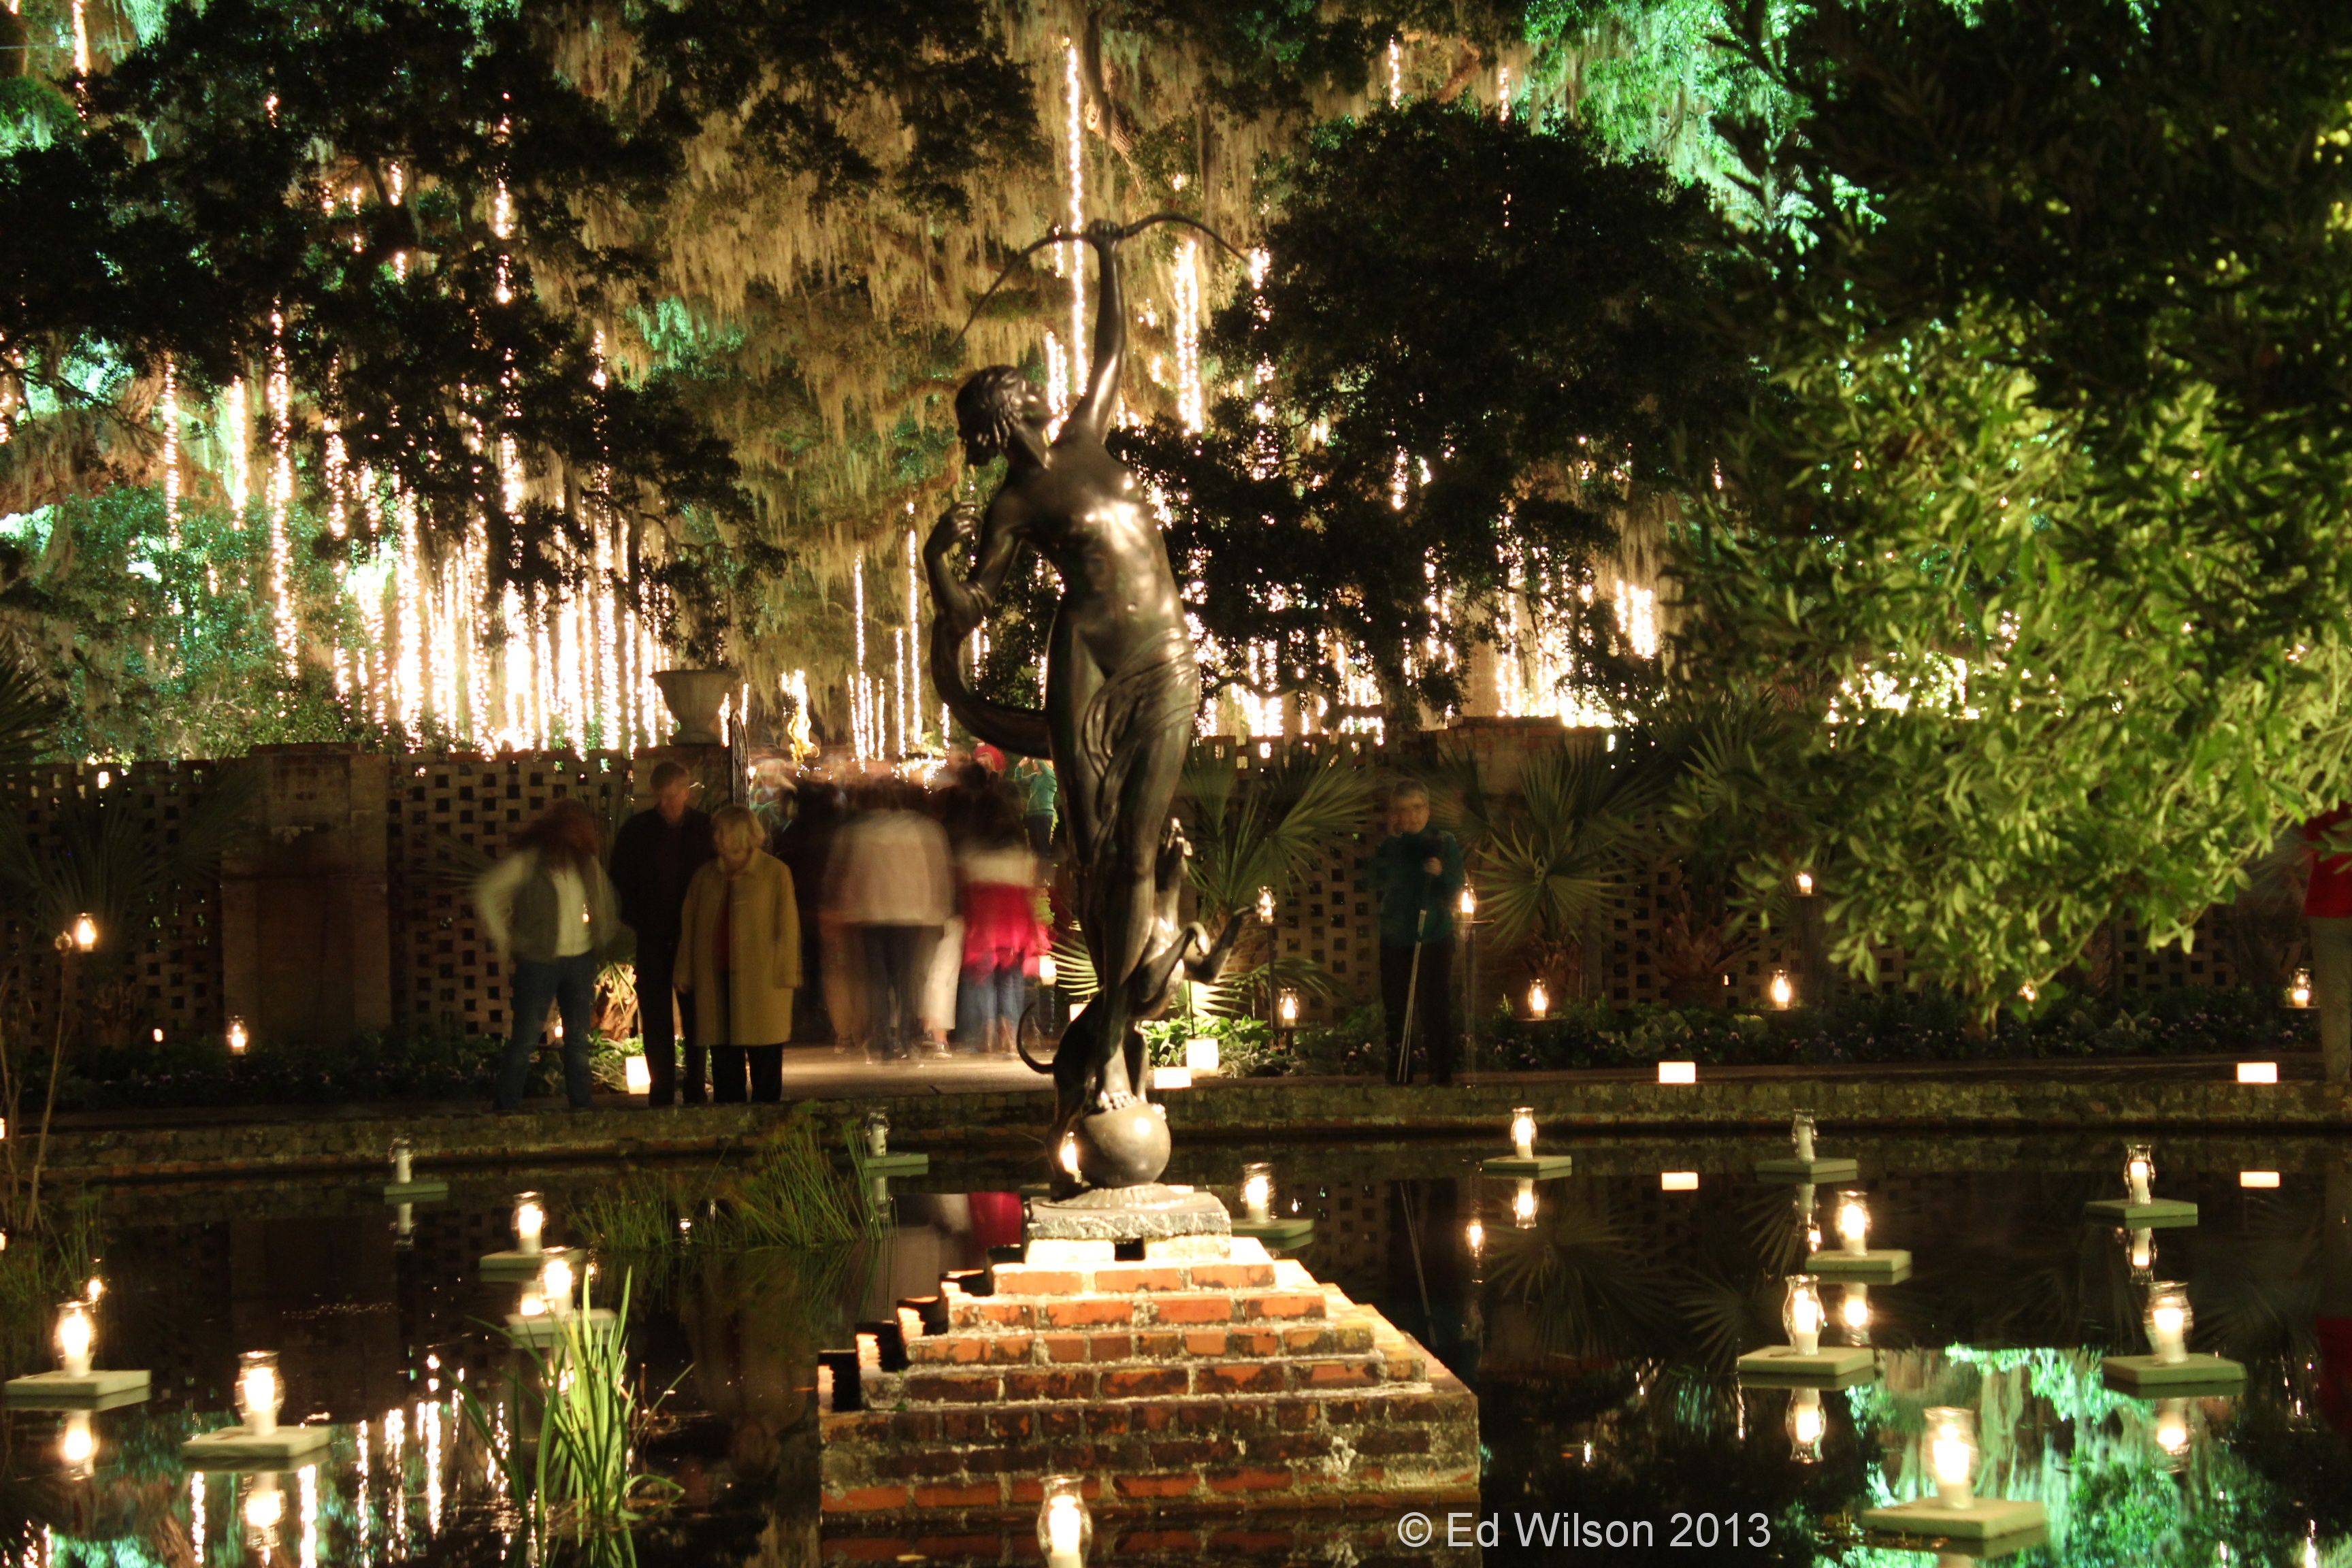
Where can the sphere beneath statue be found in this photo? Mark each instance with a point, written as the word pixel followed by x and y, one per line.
pixel 1124 1148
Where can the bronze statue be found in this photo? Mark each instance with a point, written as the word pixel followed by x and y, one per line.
pixel 1122 689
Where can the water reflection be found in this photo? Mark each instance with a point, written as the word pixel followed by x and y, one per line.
pixel 1602 1334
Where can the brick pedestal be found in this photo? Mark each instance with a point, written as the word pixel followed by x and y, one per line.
pixel 1204 1378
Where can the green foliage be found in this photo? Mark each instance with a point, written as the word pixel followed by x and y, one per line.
pixel 41 1267
pixel 29 718
pixel 1477 335
pixel 2036 536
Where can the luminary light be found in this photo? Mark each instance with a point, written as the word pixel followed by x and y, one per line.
pixel 237 1037
pixel 2141 1243
pixel 555 1284
pixel 638 1075
pixel 1171 1077
pixel 1474 1236
pixel 78 1443
pixel 85 933
pixel 2298 990
pixel 1523 1204
pixel 1806 1425
pixel 531 1302
pixel 2170 1319
pixel 1467 904
pixel 1853 1314
pixel 1678 1072
pixel 877 1134
pixel 2262 1179
pixel 1678 1181
pixel 94 1290
pixel 1523 1131
pixel 1286 1009
pixel 77 1332
pixel 2029 994
pixel 1800 1314
pixel 2258 1072
pixel 1065 1530
pixel 1952 1453
pixel 1203 1054
pixel 260 1392
pixel 403 1151
pixel 1804 884
pixel 1048 972
pixel 530 1221
pixel 2139 1171
pixel 1782 989
pixel 1853 1221
pixel 1257 1190
pixel 1069 1153
pixel 265 1504
pixel 1265 906
pixel 1539 999
pixel 1801 1135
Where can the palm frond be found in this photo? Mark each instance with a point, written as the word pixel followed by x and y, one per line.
pixel 30 716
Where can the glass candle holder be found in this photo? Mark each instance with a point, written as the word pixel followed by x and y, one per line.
pixel 2139 1171
pixel 2172 1432
pixel 401 1156
pixel 1951 1444
pixel 530 1221
pixel 1808 1424
pixel 1523 1131
pixel 1257 1190
pixel 1539 999
pixel 2170 1319
pixel 1853 1221
pixel 1800 1314
pixel 1801 1135
pixel 77 1332
pixel 2298 990
pixel 1853 1314
pixel 2139 1245
pixel 1474 1236
pixel 1467 904
pixel 1523 1204
pixel 1065 1527
pixel 259 1390
pixel 238 1037
pixel 1782 989
pixel 1287 1009
pixel 1265 906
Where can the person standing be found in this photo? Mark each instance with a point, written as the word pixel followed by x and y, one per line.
pixel 1034 780
pixel 1416 872
pixel 550 908
pixel 1003 937
pixel 739 958
pixel 655 857
pixel 2327 922
pixel 891 896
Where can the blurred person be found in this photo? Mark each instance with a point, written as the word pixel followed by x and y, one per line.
pixel 1416 872
pixel 802 844
pixel 889 894
pixel 552 911
pixel 1003 937
pixel 655 857
pixel 1034 779
pixel 739 958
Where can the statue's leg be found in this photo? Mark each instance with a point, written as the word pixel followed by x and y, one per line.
pixel 1132 896
pixel 1073 680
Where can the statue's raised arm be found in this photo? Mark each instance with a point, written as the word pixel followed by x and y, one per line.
pixel 1092 416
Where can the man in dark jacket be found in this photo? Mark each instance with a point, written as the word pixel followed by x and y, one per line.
pixel 1416 873
pixel 655 856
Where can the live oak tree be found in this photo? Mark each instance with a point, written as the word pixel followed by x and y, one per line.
pixel 1462 367
pixel 2033 547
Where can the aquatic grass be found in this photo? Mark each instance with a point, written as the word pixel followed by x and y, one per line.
pixel 792 1195
pixel 578 1419
pixel 38 1269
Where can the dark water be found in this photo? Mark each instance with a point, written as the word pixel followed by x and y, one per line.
pixel 1600 1339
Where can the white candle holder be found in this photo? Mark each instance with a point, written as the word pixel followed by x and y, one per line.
pixel 404 1187
pixel 1808 1425
pixel 1804 1362
pixel 260 1392
pixel 258 1442
pixel 1805 1163
pixel 1951 1448
pixel 2170 1368
pixel 1523 1160
pixel 1853 1259
pixel 1523 1204
pixel 2170 1319
pixel 77 1383
pixel 1800 1314
pixel 2139 1206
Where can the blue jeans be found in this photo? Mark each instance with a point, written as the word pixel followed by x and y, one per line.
pixel 570 983
pixel 985 995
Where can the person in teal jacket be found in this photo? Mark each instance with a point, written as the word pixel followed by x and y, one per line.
pixel 1416 872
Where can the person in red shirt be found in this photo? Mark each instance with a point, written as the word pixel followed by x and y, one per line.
pixel 2327 917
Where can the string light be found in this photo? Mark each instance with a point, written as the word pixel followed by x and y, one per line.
pixel 1076 171
pixel 1192 407
pixel 171 413
pixel 281 496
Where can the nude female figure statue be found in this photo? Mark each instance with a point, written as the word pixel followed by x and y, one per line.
pixel 1122 689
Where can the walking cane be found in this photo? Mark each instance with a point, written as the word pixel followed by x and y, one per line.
pixel 1401 1068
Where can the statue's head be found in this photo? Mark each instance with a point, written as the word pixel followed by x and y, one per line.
pixel 992 406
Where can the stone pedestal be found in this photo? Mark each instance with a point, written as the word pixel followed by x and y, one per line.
pixel 1202 1377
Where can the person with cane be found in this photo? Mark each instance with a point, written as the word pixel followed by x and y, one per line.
pixel 1416 872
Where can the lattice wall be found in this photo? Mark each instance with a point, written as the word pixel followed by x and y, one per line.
pixel 172 980
pixel 449 817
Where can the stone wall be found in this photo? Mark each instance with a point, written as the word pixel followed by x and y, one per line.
pixel 346 906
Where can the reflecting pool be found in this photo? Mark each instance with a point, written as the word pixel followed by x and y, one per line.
pixel 1598 1316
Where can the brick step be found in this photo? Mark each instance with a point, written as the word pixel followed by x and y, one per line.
pixel 1142 1309
pixel 1350 1336
pixel 1161 1380
pixel 1158 1276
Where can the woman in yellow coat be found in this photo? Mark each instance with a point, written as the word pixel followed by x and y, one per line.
pixel 739 955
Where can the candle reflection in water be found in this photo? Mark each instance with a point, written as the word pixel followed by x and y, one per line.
pixel 2171 1431
pixel 2139 1246
pixel 1523 1204
pixel 1853 1314
pixel 1806 1425
pixel 77 1445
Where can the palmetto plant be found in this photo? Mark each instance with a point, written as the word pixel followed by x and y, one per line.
pixel 1550 859
pixel 103 856
pixel 30 716
pixel 1264 831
